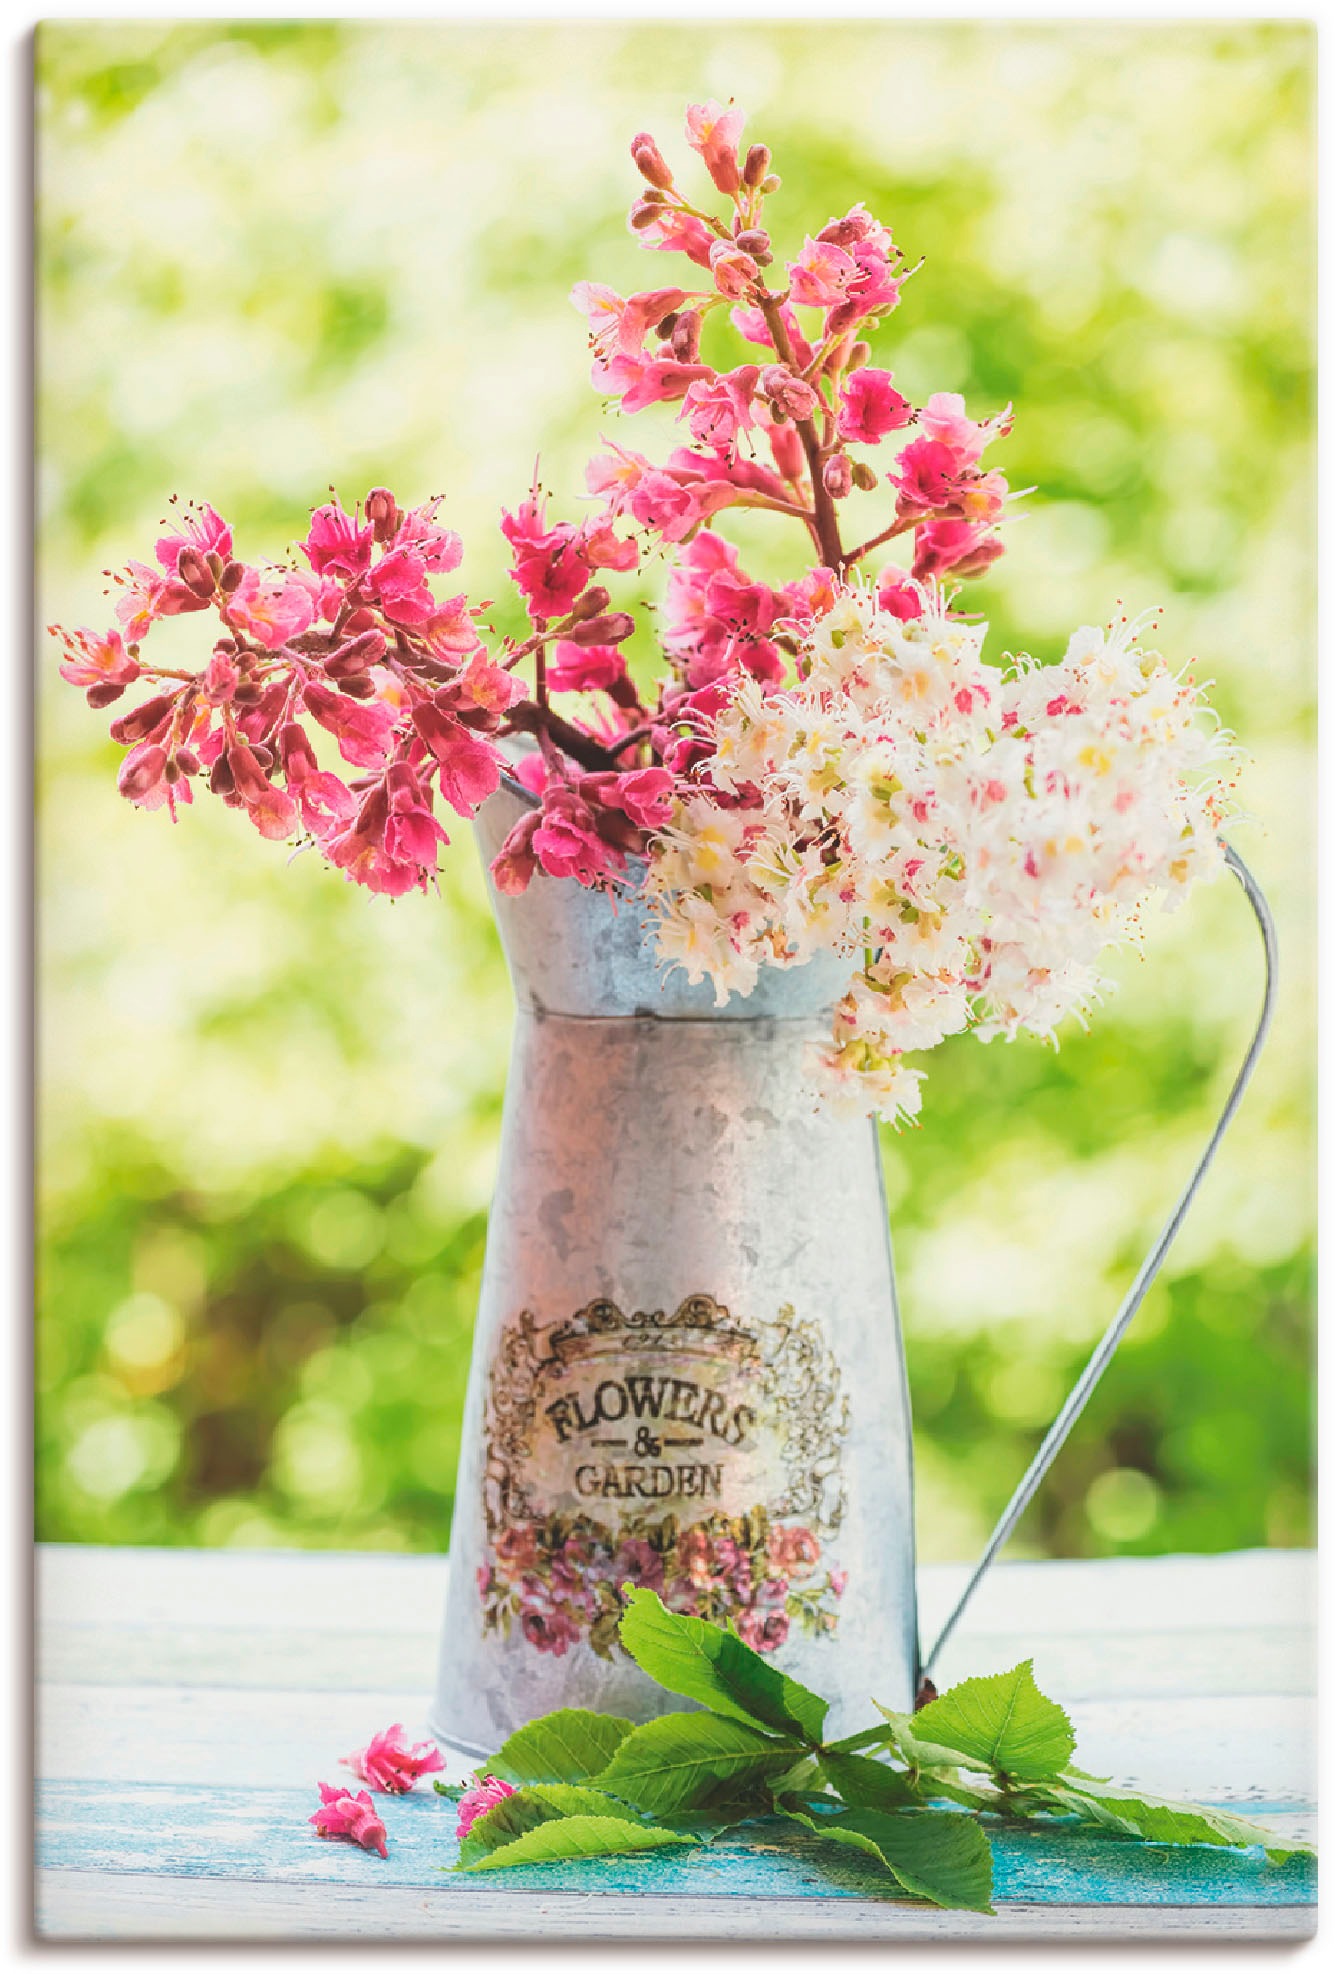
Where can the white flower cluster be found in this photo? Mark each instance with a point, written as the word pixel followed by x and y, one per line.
pixel 972 838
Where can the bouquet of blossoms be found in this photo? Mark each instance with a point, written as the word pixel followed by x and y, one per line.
pixel 833 765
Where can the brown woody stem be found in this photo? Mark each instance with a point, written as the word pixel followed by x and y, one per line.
pixel 825 513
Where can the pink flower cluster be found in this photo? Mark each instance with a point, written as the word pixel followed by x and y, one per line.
pixel 392 1767
pixel 341 699
pixel 488 1792
pixel 352 660
pixel 390 1764
pixel 351 1817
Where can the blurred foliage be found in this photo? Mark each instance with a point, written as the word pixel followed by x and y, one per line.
pixel 279 254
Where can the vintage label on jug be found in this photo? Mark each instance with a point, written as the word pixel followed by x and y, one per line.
pixel 679 1449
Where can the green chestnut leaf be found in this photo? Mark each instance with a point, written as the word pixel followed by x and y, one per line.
pixel 709 1663
pixel 571 1745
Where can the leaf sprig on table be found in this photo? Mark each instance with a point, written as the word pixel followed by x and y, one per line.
pixel 915 1793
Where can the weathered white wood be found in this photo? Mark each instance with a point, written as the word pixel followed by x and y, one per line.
pixel 76 1905
pixel 1217 1749
pixel 255 1671
pixel 276 1590
pixel 341 1659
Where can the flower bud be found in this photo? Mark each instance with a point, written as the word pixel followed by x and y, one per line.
pixel 665 328
pixel 857 357
pixel 647 157
pixel 755 242
pixel 838 476
pixel 864 476
pixel 369 648
pixel 733 272
pixel 187 762
pixel 171 772
pixel 105 694
pixel 757 159
pixel 358 687
pixel 145 720
pixel 685 336
pixel 247 692
pixel 772 183
pixel 611 629
pixel 842 232
pixel 230 576
pixel 788 394
pixel 195 572
pixel 642 215
pixel 140 772
pixel 221 777
pixel 380 509
pixel 591 602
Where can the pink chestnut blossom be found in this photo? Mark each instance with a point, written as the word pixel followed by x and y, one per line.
pixel 821 275
pixel 274 813
pixel 363 729
pixel 146 596
pixel 671 232
pixel 141 776
pixel 399 582
pixel 324 801
pixel 450 632
pixel 870 408
pixel 481 692
pixel 734 272
pixel 516 862
pixel 202 530
pixel 638 381
pixel 272 605
pixel 353 1817
pixel 336 544
pixel 389 1764
pixel 479 1800
pixel 468 768
pixel 963 547
pixel 95 661
pixel 589 668
pixel 715 133
pixel 619 326
pixel 897 595
pixel 568 842
pixel 412 836
pixel 716 618
pixel 945 418
pixel 643 795
pixel 359 849
pixel 440 548
pixel 549 568
pixel 720 409
pixel 926 476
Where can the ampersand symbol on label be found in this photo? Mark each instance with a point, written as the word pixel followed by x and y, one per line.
pixel 646 1442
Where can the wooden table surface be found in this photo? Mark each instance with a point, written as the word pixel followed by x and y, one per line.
pixel 190 1700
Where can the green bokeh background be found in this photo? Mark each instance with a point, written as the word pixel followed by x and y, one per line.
pixel 275 256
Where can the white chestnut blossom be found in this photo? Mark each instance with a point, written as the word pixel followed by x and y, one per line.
pixel 972 837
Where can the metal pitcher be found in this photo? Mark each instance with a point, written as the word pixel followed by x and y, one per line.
pixel 688 1365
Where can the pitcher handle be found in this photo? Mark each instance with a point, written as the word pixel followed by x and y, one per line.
pixel 1135 1295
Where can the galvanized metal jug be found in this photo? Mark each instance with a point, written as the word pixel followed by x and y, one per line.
pixel 688 1368
pixel 688 1365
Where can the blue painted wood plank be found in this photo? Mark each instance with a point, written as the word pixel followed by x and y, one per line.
pixel 261 1835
